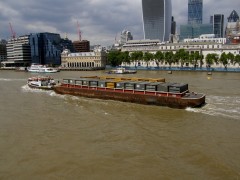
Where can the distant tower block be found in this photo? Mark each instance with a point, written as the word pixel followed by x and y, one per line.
pixel 81 46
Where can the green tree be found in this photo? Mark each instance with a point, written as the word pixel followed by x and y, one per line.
pixel 194 59
pixel 230 57
pixel 237 59
pixel 201 57
pixel 147 57
pixel 125 57
pixel 211 58
pixel 114 58
pixel 136 56
pixel 133 57
pixel 224 59
pixel 159 57
pixel 169 58
pixel 181 56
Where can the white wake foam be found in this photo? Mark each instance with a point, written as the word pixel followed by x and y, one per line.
pixel 10 80
pixel 220 106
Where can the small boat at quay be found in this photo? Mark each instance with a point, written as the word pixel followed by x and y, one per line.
pixel 136 90
pixel 41 82
pixel 38 68
pixel 121 71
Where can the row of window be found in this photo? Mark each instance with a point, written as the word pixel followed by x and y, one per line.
pixel 84 58
pixel 174 47
pixel 80 64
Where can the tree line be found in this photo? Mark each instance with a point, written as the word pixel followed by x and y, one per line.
pixel 181 57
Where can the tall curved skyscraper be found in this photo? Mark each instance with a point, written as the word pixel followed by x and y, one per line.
pixel 157 16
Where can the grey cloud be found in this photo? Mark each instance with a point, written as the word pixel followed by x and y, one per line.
pixel 100 20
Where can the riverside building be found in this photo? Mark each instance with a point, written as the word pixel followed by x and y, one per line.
pixel 204 48
pixel 207 38
pixel 95 60
pixel 18 52
pixel 3 51
pixel 157 16
pixel 46 48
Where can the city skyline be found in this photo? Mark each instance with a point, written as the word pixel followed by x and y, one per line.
pixel 99 23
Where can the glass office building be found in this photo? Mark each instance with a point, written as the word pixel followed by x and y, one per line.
pixel 157 16
pixel 195 10
pixel 194 31
pixel 46 48
pixel 233 25
pixel 233 17
pixel 218 23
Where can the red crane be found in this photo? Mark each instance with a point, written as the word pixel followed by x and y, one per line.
pixel 12 31
pixel 79 32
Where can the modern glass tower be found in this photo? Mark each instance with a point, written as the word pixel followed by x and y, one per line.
pixel 46 48
pixel 218 23
pixel 233 17
pixel 195 10
pixel 157 16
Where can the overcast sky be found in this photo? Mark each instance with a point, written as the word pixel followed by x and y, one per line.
pixel 100 20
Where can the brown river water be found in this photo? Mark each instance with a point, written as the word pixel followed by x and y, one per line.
pixel 44 135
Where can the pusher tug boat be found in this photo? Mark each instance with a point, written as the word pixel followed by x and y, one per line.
pixel 135 90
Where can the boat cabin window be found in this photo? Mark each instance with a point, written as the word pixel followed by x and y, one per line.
pixel 66 81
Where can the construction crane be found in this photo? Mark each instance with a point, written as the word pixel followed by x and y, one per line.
pixel 79 32
pixel 12 31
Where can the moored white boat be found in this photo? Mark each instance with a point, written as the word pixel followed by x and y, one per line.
pixel 41 82
pixel 38 68
pixel 121 71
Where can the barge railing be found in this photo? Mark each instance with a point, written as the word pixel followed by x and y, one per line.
pixel 130 91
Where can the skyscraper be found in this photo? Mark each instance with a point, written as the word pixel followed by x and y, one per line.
pixel 157 16
pixel 233 17
pixel 195 9
pixel 218 23
pixel 45 48
pixel 233 24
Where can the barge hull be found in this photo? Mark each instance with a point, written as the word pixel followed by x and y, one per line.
pixel 133 96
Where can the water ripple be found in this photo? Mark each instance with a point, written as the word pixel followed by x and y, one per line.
pixel 10 80
pixel 220 106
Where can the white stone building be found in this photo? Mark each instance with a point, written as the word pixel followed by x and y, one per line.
pixel 84 60
pixel 203 48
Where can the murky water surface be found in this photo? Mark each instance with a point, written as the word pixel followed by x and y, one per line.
pixel 44 135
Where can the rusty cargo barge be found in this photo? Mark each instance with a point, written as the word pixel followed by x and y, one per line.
pixel 135 90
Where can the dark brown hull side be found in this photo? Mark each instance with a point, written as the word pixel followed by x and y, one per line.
pixel 134 97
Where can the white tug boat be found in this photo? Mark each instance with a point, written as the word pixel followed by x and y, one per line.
pixel 121 71
pixel 38 68
pixel 41 82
